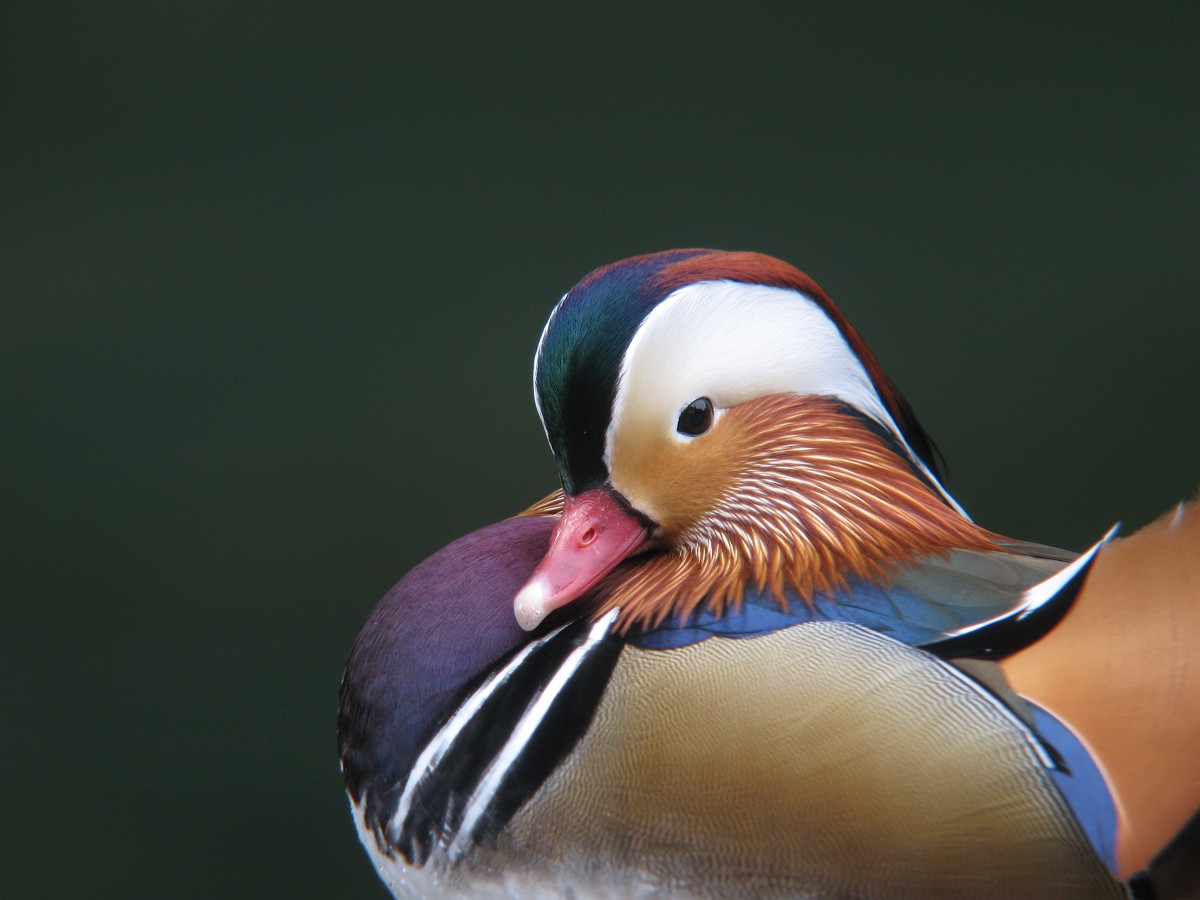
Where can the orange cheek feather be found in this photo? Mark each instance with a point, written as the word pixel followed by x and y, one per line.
pixel 675 482
pixel 786 492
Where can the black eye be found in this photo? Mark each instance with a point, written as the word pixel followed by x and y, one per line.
pixel 696 418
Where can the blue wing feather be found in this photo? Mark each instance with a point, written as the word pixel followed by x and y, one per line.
pixel 924 602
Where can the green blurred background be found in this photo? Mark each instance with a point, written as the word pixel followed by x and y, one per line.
pixel 272 278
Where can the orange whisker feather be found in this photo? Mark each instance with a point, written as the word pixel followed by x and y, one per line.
pixel 819 498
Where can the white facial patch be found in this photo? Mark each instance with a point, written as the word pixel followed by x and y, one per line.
pixel 733 342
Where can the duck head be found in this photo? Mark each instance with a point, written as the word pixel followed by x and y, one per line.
pixel 717 409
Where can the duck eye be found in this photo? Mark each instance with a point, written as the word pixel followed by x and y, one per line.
pixel 696 418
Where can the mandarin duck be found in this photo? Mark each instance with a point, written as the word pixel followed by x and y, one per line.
pixel 753 647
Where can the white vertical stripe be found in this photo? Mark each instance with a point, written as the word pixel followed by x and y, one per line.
pixel 482 798
pixel 446 735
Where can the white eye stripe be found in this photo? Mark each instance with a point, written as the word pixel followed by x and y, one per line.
pixel 733 342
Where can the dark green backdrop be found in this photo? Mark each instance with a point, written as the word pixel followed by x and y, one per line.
pixel 272 276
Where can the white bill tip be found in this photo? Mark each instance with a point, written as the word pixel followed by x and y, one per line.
pixel 529 605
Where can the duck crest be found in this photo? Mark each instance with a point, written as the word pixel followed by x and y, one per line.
pixel 819 497
pixel 580 352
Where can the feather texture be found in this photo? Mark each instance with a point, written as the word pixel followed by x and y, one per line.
pixel 1123 671
pixel 866 787
pixel 802 671
pixel 814 496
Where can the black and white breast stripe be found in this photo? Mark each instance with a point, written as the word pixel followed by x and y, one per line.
pixel 503 741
